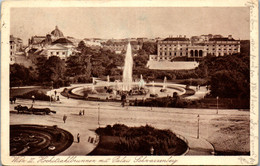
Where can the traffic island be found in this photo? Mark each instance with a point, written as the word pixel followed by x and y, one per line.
pixel 145 140
pixel 38 140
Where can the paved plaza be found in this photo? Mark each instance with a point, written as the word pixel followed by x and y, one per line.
pixel 183 122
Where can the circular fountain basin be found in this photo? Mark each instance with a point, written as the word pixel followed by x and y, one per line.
pixel 100 90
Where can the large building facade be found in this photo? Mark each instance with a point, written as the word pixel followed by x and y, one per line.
pixel 195 47
pixel 16 46
pixel 120 47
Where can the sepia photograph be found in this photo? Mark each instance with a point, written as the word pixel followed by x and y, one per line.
pixel 129 84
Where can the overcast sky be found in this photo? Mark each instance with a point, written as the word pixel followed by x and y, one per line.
pixel 130 22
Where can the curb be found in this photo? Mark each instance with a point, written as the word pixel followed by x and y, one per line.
pixel 186 141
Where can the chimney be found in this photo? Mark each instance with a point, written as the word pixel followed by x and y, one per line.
pixel 229 36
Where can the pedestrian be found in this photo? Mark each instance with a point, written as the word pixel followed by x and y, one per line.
pixel 58 98
pixel 55 92
pixel 79 112
pixel 33 98
pixel 83 112
pixel 78 137
pixel 199 86
pixel 64 118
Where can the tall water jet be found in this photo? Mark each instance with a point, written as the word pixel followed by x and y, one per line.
pixel 93 84
pixel 164 82
pixel 108 80
pixel 128 69
pixel 141 82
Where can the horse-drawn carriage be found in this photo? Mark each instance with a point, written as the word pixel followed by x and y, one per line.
pixel 31 110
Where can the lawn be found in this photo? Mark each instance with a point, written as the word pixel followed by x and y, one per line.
pixel 122 140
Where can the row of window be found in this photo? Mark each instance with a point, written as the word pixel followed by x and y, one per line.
pixel 175 54
pixel 173 45
pixel 58 53
pixel 167 46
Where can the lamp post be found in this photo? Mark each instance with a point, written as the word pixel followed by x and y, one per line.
pixel 98 116
pixel 217 104
pixel 51 91
pixel 198 131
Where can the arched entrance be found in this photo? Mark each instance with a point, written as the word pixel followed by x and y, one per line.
pixel 191 53
pixel 200 53
pixel 196 53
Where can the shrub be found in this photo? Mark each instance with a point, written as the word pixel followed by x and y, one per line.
pixel 39 95
pixel 141 139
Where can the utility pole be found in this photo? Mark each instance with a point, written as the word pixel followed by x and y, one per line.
pixel 217 104
pixel 198 132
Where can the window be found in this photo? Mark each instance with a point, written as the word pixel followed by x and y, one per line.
pixel 11 47
pixel 63 53
pixel 57 53
pixel 51 53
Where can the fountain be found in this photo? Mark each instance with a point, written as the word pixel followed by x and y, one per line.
pixel 164 85
pixel 108 80
pixel 141 83
pixel 128 69
pixel 128 88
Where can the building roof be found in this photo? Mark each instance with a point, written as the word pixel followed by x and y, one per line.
pixel 62 41
pixel 57 47
pixel 176 39
pixel 222 39
pixel 56 32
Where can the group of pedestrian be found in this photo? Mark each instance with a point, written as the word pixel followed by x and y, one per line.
pixel 197 87
pixel 81 112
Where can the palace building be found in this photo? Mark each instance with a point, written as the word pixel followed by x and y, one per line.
pixel 195 47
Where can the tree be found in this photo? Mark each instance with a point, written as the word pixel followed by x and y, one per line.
pixel 229 84
pixel 150 48
pixel 81 45
pixel 54 70
pixel 20 75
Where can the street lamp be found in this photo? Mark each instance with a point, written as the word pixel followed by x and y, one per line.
pixel 51 91
pixel 98 116
pixel 217 104
pixel 198 131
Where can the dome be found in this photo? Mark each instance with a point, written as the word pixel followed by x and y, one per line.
pixel 56 32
